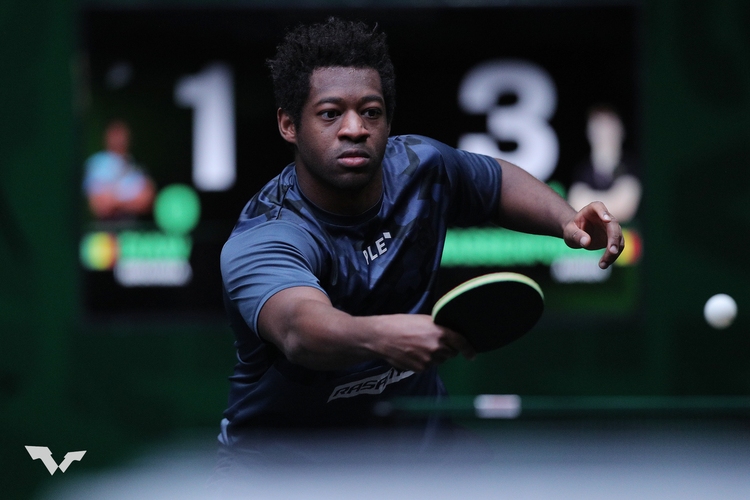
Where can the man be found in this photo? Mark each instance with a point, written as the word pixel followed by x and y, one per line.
pixel 605 176
pixel 115 186
pixel 330 271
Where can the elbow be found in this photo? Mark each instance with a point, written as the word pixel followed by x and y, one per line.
pixel 298 351
pixel 305 331
pixel 293 349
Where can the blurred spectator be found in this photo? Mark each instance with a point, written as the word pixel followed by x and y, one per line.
pixel 606 175
pixel 115 186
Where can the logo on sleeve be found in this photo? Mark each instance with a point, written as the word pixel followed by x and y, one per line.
pixel 376 249
pixel 370 385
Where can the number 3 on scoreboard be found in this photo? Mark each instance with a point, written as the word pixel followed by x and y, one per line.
pixel 524 122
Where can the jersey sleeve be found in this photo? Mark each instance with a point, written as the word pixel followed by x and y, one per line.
pixel 262 261
pixel 474 185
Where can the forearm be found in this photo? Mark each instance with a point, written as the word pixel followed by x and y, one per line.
pixel 310 332
pixel 529 205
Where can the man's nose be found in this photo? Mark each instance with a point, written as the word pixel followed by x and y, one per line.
pixel 353 126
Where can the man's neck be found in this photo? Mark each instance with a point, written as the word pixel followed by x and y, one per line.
pixel 341 201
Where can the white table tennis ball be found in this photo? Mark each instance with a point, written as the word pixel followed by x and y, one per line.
pixel 720 310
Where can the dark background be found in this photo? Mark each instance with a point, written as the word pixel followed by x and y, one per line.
pixel 113 392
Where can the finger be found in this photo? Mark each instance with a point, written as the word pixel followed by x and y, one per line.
pixel 575 234
pixel 466 350
pixel 601 211
pixel 581 238
pixel 446 353
pixel 587 225
pixel 615 239
pixel 441 357
pixel 613 250
pixel 459 344
pixel 596 217
pixel 469 353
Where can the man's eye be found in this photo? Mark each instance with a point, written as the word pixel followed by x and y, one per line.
pixel 329 114
pixel 373 112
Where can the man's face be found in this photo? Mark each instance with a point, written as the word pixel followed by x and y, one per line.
pixel 341 138
pixel 117 138
pixel 605 130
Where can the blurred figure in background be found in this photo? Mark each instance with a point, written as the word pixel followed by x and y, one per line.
pixel 605 176
pixel 115 186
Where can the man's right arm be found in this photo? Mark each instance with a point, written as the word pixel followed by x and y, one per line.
pixel 309 331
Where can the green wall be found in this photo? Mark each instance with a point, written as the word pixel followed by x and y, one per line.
pixel 697 130
pixel 111 393
pixel 61 386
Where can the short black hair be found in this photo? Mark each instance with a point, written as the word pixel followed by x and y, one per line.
pixel 335 43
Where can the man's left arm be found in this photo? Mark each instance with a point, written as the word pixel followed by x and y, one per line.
pixel 530 206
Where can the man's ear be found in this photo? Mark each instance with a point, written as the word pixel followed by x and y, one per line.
pixel 286 126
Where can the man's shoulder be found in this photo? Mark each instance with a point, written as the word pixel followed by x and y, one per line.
pixel 277 199
pixel 405 153
pixel 267 238
pixel 268 227
pixel 399 142
pixel 414 146
pixel 274 192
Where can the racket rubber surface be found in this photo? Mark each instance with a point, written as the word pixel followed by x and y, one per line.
pixel 492 310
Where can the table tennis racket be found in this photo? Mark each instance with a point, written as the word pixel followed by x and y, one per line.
pixel 491 310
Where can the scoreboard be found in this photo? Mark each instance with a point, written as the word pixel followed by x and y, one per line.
pixel 190 89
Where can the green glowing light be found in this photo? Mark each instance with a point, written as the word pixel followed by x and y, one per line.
pixel 154 245
pixel 501 247
pixel 177 209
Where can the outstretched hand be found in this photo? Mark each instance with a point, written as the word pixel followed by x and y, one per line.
pixel 593 228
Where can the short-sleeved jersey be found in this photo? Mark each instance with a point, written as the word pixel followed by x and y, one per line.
pixel 384 261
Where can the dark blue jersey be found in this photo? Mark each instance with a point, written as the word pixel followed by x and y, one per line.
pixel 384 261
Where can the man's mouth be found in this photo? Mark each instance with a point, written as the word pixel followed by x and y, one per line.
pixel 353 158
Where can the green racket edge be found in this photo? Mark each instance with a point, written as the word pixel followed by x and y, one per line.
pixel 481 280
